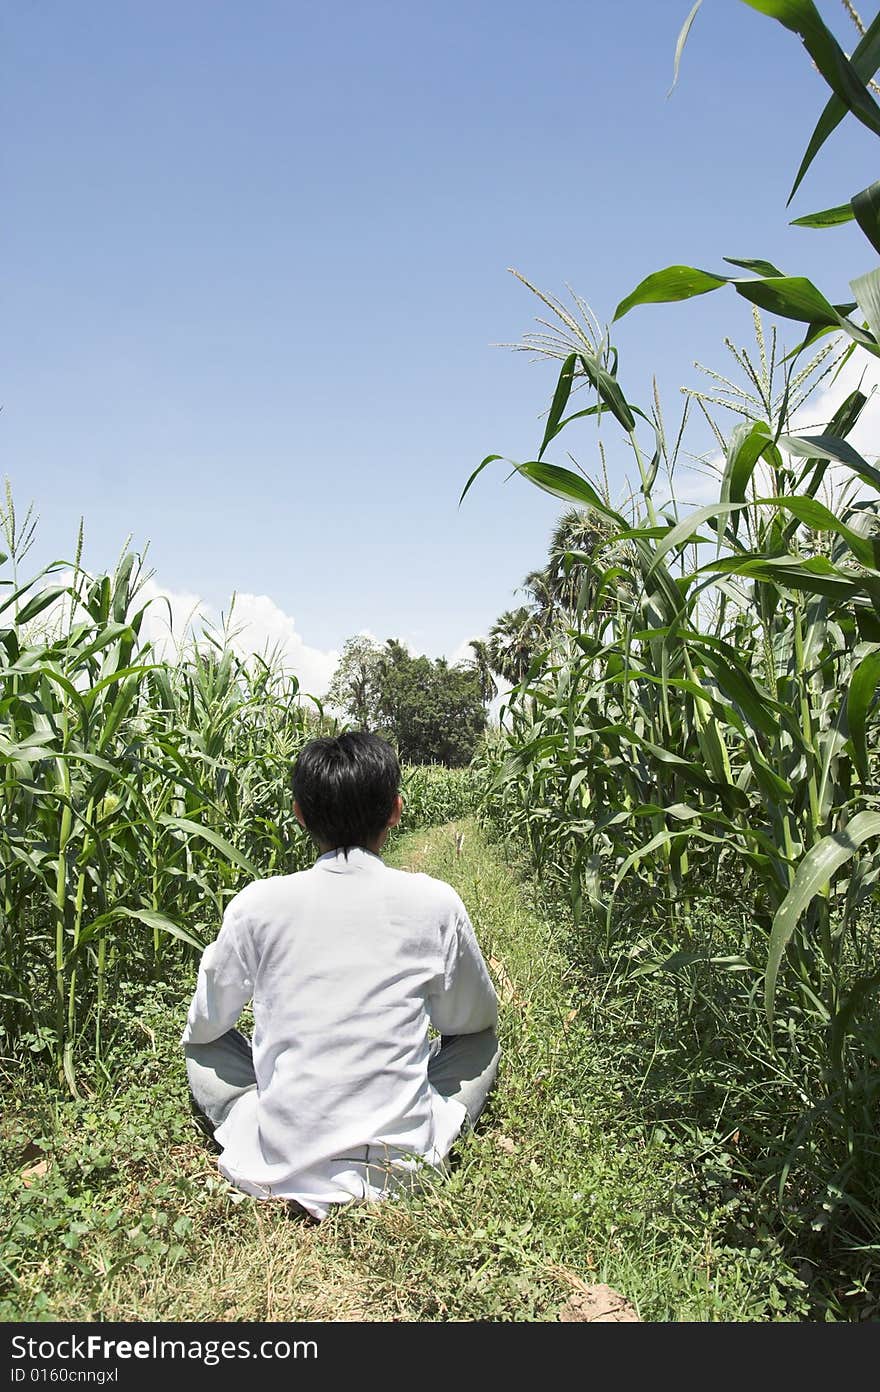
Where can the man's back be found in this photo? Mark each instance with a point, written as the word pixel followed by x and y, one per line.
pixel 347 963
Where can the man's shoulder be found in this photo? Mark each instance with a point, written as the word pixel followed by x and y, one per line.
pixel 267 892
pixel 427 889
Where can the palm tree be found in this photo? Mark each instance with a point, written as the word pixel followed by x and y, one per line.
pixel 482 662
pixel 575 543
pixel 538 585
pixel 512 643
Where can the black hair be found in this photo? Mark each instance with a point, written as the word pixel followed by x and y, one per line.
pixel 346 788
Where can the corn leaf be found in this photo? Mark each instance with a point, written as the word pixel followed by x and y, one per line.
pixel 862 687
pixel 867 292
pixel 151 918
pixel 865 62
pixel 802 18
pixel 490 459
pixel 866 207
pixel 760 268
pixel 832 448
pixel 829 217
pixel 214 838
pixel 608 389
pixel 814 874
pixel 560 401
pixel 670 285
pixel 679 47
pixel 792 297
pixel 821 519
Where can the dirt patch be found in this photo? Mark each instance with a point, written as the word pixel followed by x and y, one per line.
pixel 598 1305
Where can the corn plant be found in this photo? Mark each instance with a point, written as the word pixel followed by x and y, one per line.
pixel 433 794
pixel 711 706
pixel 137 794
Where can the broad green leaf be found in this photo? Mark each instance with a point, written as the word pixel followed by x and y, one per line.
pixel 32 747
pixel 689 770
pixel 119 709
pixel 683 532
pixel 213 837
pixel 663 838
pixel 596 410
pixel 560 401
pixel 830 447
pixel 45 670
pixel 867 292
pixel 746 445
pixel 761 268
pixel 681 959
pixel 866 207
pixel 609 390
pixel 862 687
pixel 815 575
pixel 647 533
pixel 775 789
pixel 813 334
pixel 814 874
pixel 672 284
pixel 802 18
pixel 830 217
pixel 565 484
pixel 138 670
pixel 865 62
pixel 846 415
pixel 815 467
pixel 793 297
pixel 759 709
pixel 151 918
pixel 120 587
pixel 39 602
pixel 821 519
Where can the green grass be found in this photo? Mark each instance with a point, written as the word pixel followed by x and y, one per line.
pixel 563 1182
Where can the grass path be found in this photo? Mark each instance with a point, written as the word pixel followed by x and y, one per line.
pixel 123 1215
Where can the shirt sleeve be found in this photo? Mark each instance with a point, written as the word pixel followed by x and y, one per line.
pixel 466 1001
pixel 225 984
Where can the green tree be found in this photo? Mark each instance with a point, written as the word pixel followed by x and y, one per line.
pixel 574 559
pixel 432 712
pixel 354 687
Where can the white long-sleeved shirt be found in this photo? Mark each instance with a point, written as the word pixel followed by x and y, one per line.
pixel 346 963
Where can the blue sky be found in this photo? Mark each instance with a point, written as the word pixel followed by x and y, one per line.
pixel 256 260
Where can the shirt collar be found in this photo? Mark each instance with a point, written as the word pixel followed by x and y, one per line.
pixel 359 858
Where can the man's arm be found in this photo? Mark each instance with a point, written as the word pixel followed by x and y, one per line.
pixel 465 1001
pixel 224 986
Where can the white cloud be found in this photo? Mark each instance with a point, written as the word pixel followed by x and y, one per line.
pixel 172 617
pixel 462 653
pixel 255 624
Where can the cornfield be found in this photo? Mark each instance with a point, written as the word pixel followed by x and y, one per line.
pixel 139 794
pixel 433 794
pixel 697 742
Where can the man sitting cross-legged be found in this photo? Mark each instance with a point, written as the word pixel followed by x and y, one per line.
pixel 342 1094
